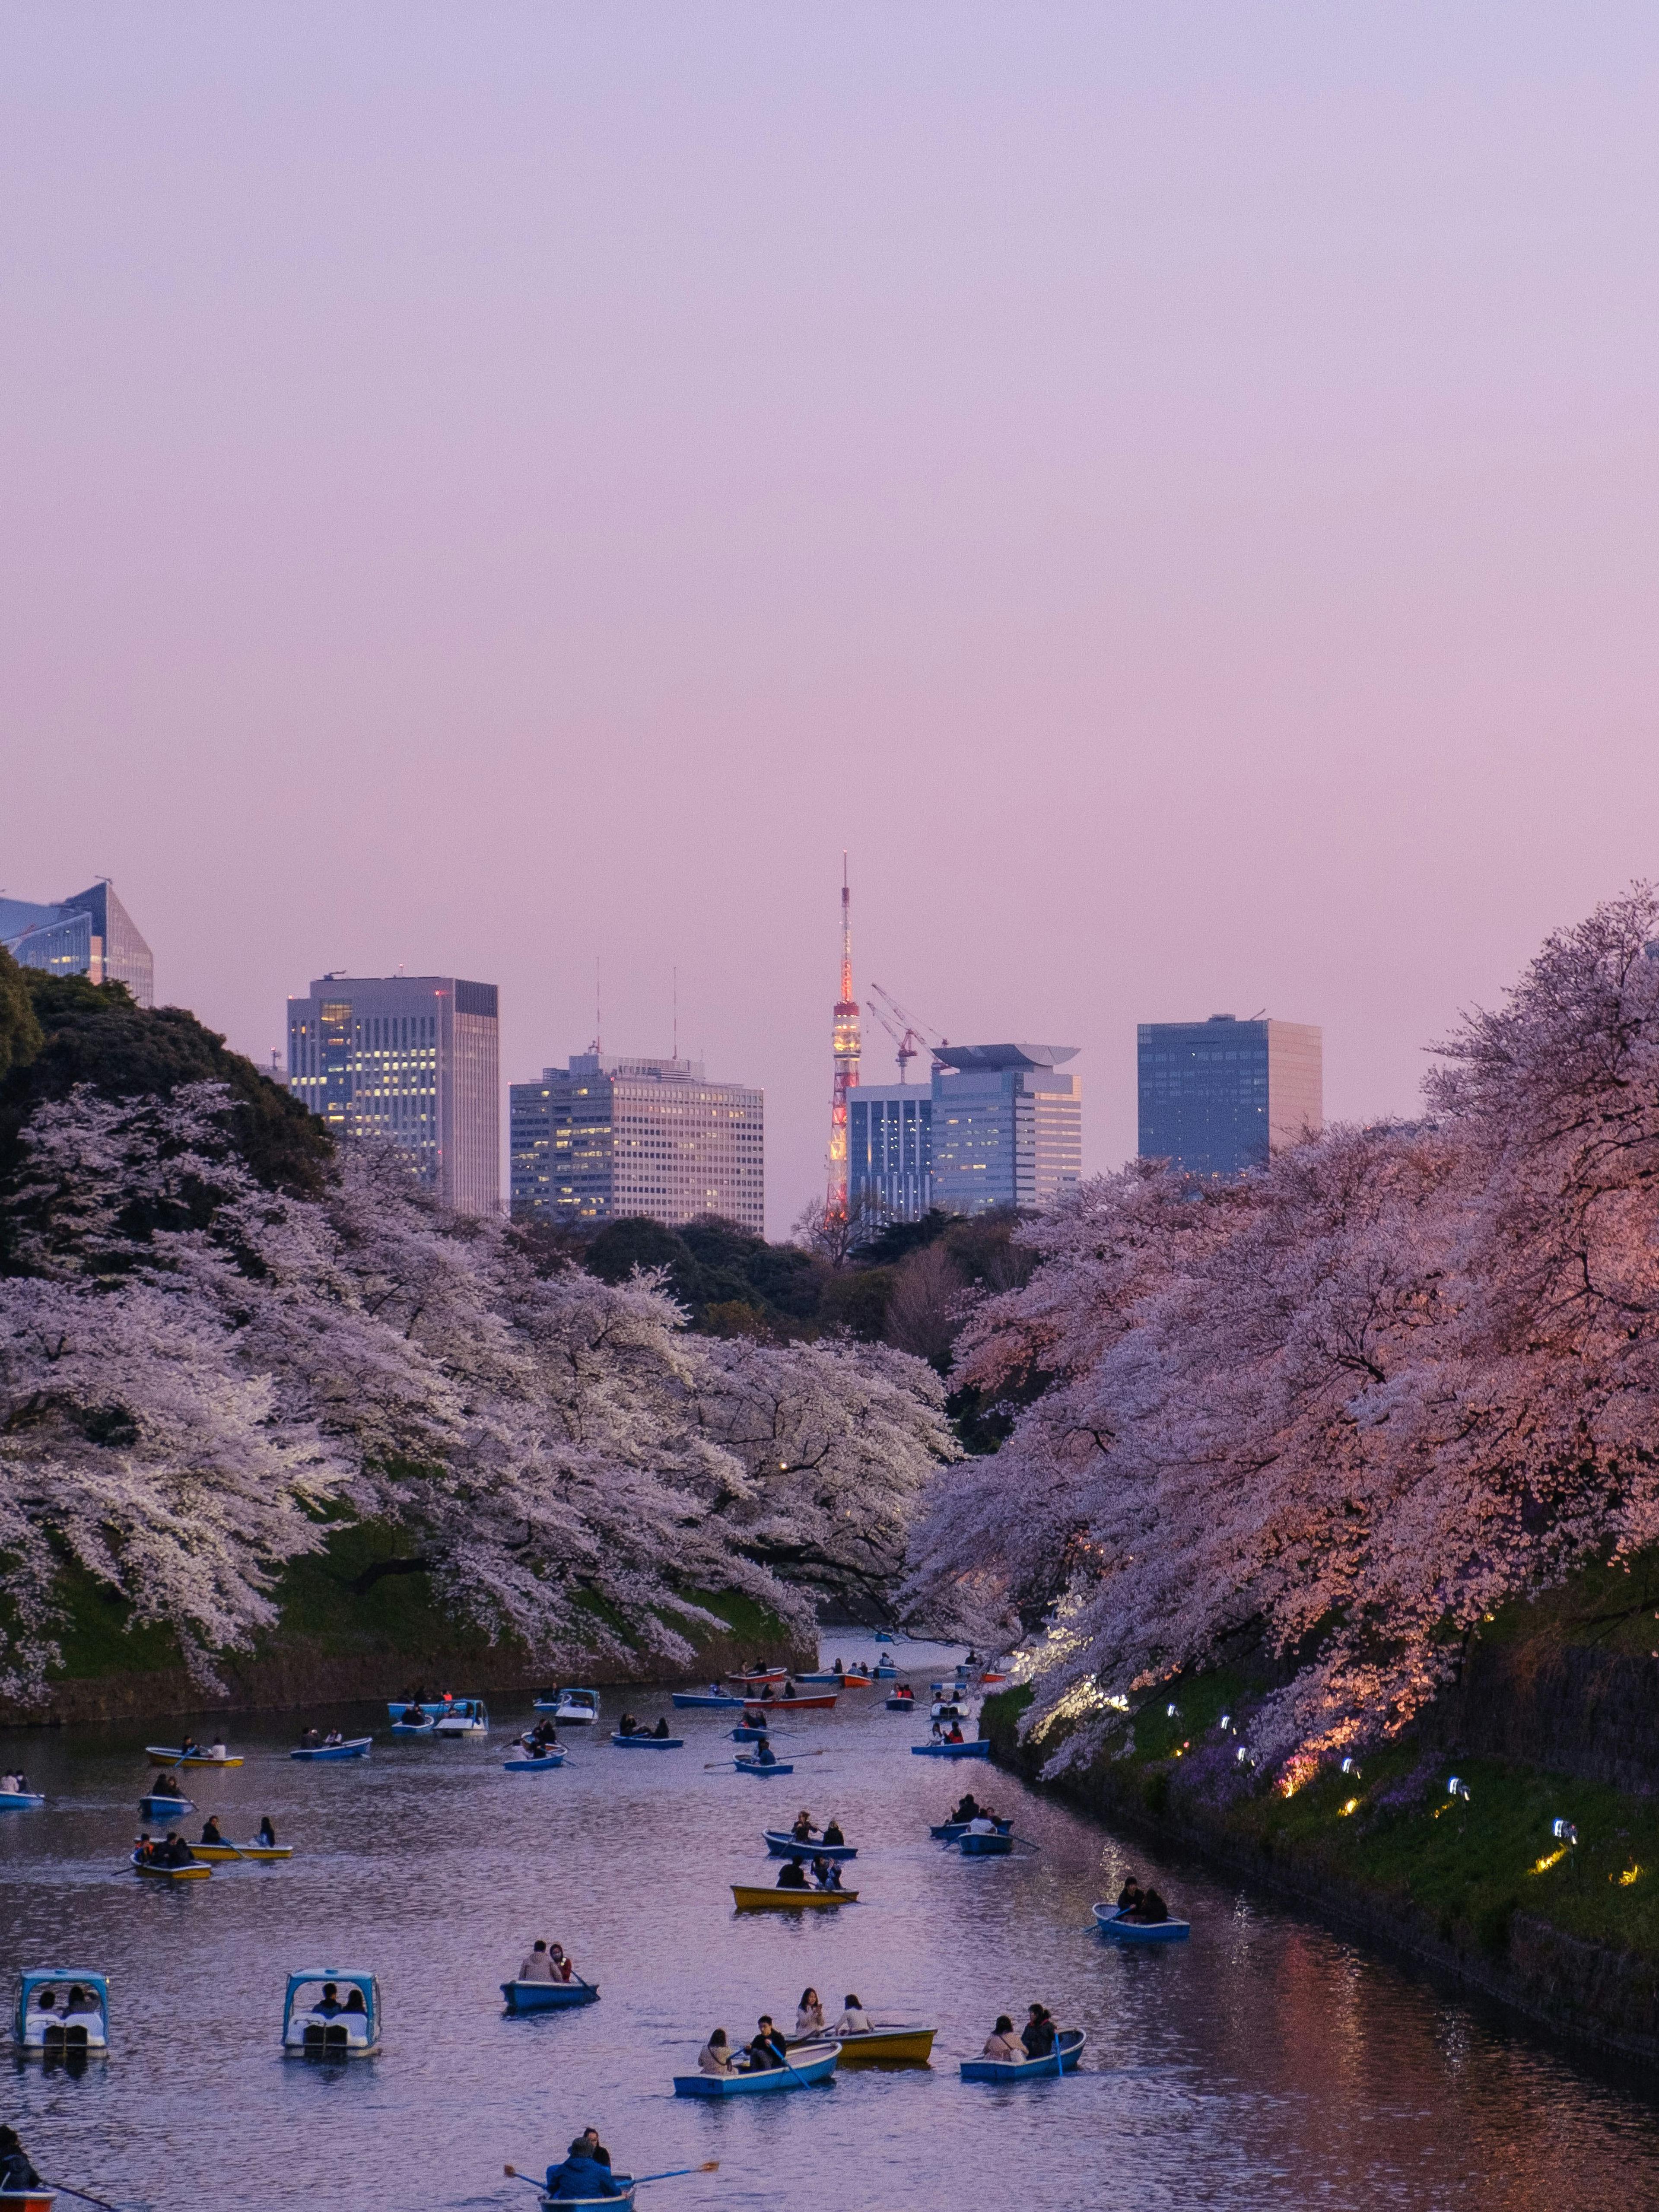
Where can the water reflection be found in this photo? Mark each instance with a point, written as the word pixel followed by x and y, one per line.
pixel 1266 2063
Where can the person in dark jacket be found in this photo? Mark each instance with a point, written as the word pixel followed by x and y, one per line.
pixel 767 2050
pixel 15 2170
pixel 764 1754
pixel 267 1833
pixel 1038 2032
pixel 1152 1909
pixel 661 1728
pixel 792 1876
pixel 580 2175
pixel 1130 1897
pixel 211 1833
pixel 596 2149
pixel 832 1834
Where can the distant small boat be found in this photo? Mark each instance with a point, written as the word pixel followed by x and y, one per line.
pixel 53 2030
pixel 400 1708
pixel 817 1703
pixel 895 2042
pixel 1108 1919
pixel 757 1681
pixel 782 1845
pixel 423 1724
pixel 881 1636
pixel 857 1682
pixel 750 1899
pixel 162 1808
pixel 265 1853
pixel 315 2024
pixel 1069 2047
pixel 356 1746
pixel 164 1755
pixel 825 1676
pixel 522 1763
pixel 550 1997
pixel 747 1732
pixel 812 2061
pixel 997 1846
pixel 712 1700
pixel 754 1766
pixel 19 1801
pixel 194 1872
pixel 648 1742
pixel 979 1747
pixel 948 1831
pixel 578 1708
pixel 898 1705
pixel 464 1716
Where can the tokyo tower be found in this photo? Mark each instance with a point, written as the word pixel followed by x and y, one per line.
pixel 844 1033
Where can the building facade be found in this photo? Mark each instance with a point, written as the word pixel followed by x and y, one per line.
pixel 1007 1126
pixel 1220 1095
pixel 891 1151
pixel 607 1139
pixel 91 934
pixel 415 1060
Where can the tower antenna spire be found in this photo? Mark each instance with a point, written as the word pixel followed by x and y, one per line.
pixel 844 1046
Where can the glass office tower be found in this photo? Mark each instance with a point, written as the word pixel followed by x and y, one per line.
pixel 607 1139
pixel 415 1059
pixel 1220 1095
pixel 1007 1126
pixel 890 1151
pixel 91 934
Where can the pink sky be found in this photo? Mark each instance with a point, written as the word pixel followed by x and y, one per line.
pixel 1175 491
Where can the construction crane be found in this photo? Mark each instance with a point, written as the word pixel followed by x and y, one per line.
pixel 906 1031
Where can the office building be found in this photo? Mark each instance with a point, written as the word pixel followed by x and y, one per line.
pixel 415 1059
pixel 91 934
pixel 1218 1096
pixel 1007 1126
pixel 608 1138
pixel 891 1151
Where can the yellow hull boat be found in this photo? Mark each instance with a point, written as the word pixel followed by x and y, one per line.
pixel 915 2044
pixel 215 1853
pixel 159 1755
pixel 172 1873
pixel 790 1900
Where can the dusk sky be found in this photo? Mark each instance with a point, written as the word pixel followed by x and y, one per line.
pixel 1175 492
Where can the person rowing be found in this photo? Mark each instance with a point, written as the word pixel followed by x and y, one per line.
pixel 1148 1910
pixel 792 1876
pixel 167 1785
pixel 767 2050
pixel 580 2174
pixel 629 1726
pixel 310 1740
pixel 968 1809
pixel 764 1754
pixel 175 1852
pixel 802 1831
pixel 16 2174
pixel 1002 2044
pixel 211 1830
pixel 563 1971
pixel 1038 2033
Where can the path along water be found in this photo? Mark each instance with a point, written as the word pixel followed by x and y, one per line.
pixel 1266 2064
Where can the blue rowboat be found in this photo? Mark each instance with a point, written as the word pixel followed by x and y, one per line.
pixel 649 1742
pixel 1069 2047
pixel 522 1763
pixel 748 1732
pixel 826 1676
pixel 980 1748
pixel 809 2062
pixel 161 1808
pixel 997 1846
pixel 754 1766
pixel 19 1801
pixel 716 1701
pixel 903 1705
pixel 356 1747
pixel 624 2198
pixel 1109 1920
pixel 550 1997
pixel 881 1636
pixel 948 1831
pixel 398 1706
pixel 782 1845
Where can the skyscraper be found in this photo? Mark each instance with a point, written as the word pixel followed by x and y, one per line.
pixel 1007 1127
pixel 607 1138
pixel 1220 1095
pixel 415 1059
pixel 890 1149
pixel 91 934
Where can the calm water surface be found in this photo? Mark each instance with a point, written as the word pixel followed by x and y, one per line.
pixel 1265 2064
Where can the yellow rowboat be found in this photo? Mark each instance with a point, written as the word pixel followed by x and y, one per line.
pixel 160 1755
pixel 892 2041
pixel 215 1853
pixel 170 1873
pixel 790 1900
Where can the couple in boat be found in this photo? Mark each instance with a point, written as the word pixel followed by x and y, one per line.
pixel 1145 1907
pixel 585 2171
pixel 810 2026
pixel 767 2051
pixel 546 1964
pixel 311 1741
pixel 1035 2039
pixel 803 1831
pixel 629 1726
pixel 953 1735
pixel 826 1875
pixel 174 1852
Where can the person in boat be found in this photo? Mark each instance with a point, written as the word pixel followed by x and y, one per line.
pixel 175 1852
pixel 562 1969
pixel 937 1734
pixel 267 1834
pixel 210 1831
pixel 792 1876
pixel 329 2003
pixel 537 1966
pixel 766 2048
pixel 983 1823
pixel 788 1689
pixel 808 2016
pixel 826 1875
pixel 1151 1910
pixel 1038 2033
pixel 1130 1897
pixel 967 1810
pixel 219 1750
pixel 16 2172
pixel 716 2056
pixel 354 2008
pixel 629 1726
pixel 905 1692
pixel 661 1728
pixel 832 1834
pixel 854 2020
pixel 802 1831
pixel 580 2175
pixel 332 1738
pixel 764 1754
pixel 189 1749
pixel 143 1848
pixel 167 1785
pixel 23 1782
pixel 1003 2043
pixel 310 1740
pixel 838 1668
pixel 955 1735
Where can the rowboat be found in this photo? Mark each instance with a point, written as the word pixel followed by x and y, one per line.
pixel 162 1808
pixel 60 2014
pixel 550 1997
pixel 522 1763
pixel 715 1701
pixel 852 1680
pixel 782 1845
pixel 464 1716
pixel 996 1845
pixel 814 1704
pixel 816 2062
pixel 897 1704
pixel 754 1766
pixel 891 2042
pixel 623 2184
pixel 749 1899
pixel 161 1755
pixel 316 2025
pixel 415 1721
pixel 948 1831
pixel 649 1742
pixel 214 1852
pixel 825 1676
pixel 193 1872
pixel 400 1708
pixel 749 1732
pixel 757 1681
pixel 356 1746
pixel 1108 1919
pixel 1069 2047
pixel 979 1748
pixel 19 1801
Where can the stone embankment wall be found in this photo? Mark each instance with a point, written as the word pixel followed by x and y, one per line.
pixel 1572 1708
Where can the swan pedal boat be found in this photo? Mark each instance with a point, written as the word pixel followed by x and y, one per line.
pixel 979 1747
pixel 1108 1919
pixel 522 1763
pixel 891 2042
pixel 1068 2048
pixel 433 1707
pixel 782 1845
pixel 706 1700
pixel 306 2033
pixel 648 1742
pixel 160 1755
pixel 83 2033
pixel 754 1766
pixel 813 1705
pixel 748 1899
pixel 356 1746
pixel 464 1716
pixel 816 2062
pixel 214 1852
pixel 550 1997
pixel 19 1801
pixel 194 1872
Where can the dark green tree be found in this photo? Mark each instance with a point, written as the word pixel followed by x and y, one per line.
pixel 20 1033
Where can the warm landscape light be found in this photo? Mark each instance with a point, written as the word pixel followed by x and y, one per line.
pixel 1628 1876
pixel 1352 1805
pixel 1555 1858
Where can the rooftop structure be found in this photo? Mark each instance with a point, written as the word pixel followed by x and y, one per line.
pixel 91 934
